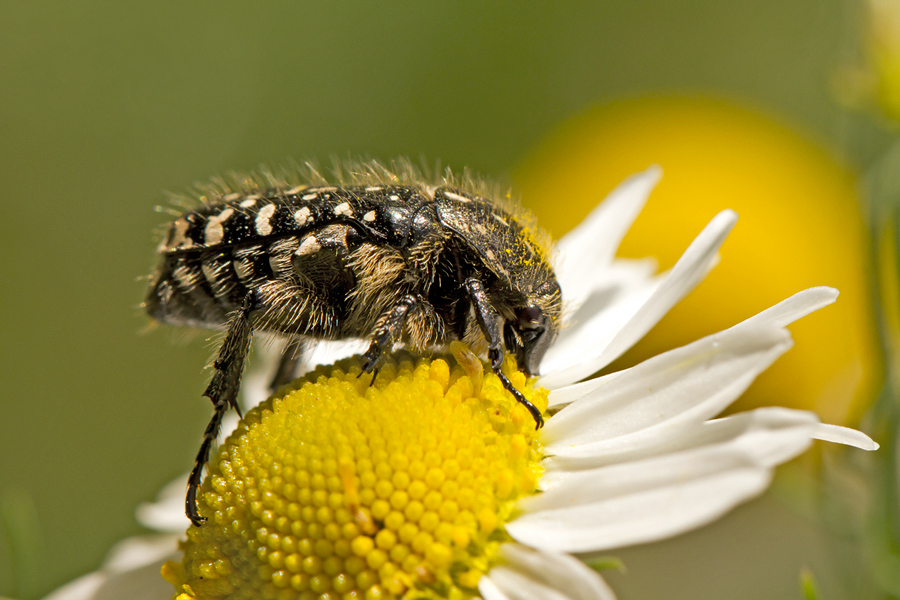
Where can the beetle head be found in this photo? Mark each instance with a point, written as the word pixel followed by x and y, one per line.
pixel 530 334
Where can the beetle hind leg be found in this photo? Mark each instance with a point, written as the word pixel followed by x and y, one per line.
pixel 222 391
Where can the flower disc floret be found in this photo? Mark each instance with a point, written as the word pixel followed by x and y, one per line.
pixel 339 487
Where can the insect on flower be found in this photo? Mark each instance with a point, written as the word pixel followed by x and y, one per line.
pixel 378 254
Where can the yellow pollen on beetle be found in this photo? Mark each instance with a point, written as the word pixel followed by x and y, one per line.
pixel 346 488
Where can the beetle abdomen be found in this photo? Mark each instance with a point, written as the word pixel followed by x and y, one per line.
pixel 212 257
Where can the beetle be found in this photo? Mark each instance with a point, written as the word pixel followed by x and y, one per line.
pixel 383 255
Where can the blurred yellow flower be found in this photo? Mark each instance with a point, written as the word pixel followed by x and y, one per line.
pixel 800 226
pixel 883 41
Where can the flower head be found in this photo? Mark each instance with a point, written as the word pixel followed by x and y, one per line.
pixel 341 485
pixel 432 483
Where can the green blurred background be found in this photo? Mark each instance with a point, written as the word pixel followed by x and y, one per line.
pixel 106 105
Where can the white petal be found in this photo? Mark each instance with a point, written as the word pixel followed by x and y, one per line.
pixel 653 498
pixel 622 289
pixel 570 393
pixel 133 553
pixel 560 571
pixel 799 305
pixel 255 384
pixel 166 513
pixel 82 588
pixel 269 349
pixel 782 314
pixel 639 502
pixel 844 435
pixel 563 368
pixel 489 590
pixel 518 586
pixel 593 243
pixel 142 583
pixel 768 436
pixel 328 352
pixel 689 384
pixel 622 479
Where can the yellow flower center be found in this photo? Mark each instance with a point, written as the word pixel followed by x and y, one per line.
pixel 336 488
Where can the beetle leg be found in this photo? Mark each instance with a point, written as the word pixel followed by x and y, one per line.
pixel 488 320
pixel 222 391
pixel 287 365
pixel 388 329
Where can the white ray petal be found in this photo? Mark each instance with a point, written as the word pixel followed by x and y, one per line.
pixel 255 384
pixel 328 352
pixel 489 590
pixel 268 350
pixel 844 435
pixel 141 583
pixel 799 305
pixel 768 436
pixel 592 244
pixel 623 479
pixel 689 384
pixel 564 368
pixel 519 586
pixel 83 588
pixel 560 571
pixel 570 393
pixel 622 289
pixel 652 498
pixel 135 552
pixel 780 315
pixel 166 513
pixel 641 515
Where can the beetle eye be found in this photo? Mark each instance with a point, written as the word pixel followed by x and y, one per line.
pixel 530 317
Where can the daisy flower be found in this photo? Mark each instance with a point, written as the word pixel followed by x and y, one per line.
pixel 433 483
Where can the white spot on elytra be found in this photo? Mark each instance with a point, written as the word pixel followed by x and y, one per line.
pixel 214 231
pixel 302 216
pixel 501 219
pixel 296 190
pixel 310 196
pixel 369 216
pixel 263 219
pixel 343 209
pixel 373 189
pixel 248 203
pixel 231 197
pixel 394 197
pixel 309 246
pixel 176 236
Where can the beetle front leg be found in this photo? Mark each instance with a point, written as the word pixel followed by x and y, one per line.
pixel 489 321
pixel 222 391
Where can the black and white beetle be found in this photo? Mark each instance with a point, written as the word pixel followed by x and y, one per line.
pixel 379 255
